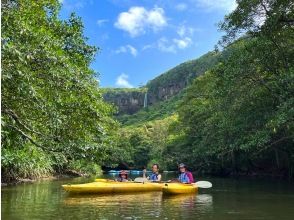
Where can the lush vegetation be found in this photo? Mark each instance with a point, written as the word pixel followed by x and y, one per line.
pixel 180 77
pixel 157 111
pixel 235 114
pixel 182 74
pixel 53 114
pixel 238 116
pixel 146 142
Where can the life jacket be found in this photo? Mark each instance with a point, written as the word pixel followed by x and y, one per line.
pixel 153 177
pixel 186 177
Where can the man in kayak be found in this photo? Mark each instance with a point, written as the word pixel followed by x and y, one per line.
pixel 154 176
pixel 185 176
pixel 122 176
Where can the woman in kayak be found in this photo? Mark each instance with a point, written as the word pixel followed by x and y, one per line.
pixel 185 176
pixel 122 176
pixel 155 176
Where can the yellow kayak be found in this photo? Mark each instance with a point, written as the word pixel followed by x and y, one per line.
pixel 179 188
pixel 104 180
pixel 112 187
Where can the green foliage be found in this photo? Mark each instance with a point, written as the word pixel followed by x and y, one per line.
pixel 157 111
pixel 238 117
pixel 50 96
pixel 28 162
pixel 182 74
pixel 86 167
pixel 146 142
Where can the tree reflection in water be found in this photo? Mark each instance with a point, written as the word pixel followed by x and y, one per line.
pixel 144 204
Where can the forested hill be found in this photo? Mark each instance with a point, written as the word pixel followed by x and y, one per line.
pixel 161 88
pixel 235 117
pixel 228 112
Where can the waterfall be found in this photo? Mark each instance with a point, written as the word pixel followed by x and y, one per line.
pixel 145 100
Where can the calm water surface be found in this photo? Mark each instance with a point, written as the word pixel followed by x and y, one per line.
pixel 228 199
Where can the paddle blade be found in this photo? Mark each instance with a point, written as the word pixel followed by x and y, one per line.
pixel 203 184
pixel 140 180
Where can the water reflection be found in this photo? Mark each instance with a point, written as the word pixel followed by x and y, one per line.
pixel 124 205
pixel 228 199
pixel 153 205
pixel 113 199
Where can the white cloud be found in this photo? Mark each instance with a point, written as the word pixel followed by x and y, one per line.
pixel 181 7
pixel 122 81
pixel 183 30
pixel 127 49
pixel 227 5
pixel 171 46
pixel 165 45
pixel 147 46
pixel 101 22
pixel 137 20
pixel 183 43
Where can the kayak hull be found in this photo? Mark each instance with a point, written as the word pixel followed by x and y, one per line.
pixel 104 180
pixel 108 188
pixel 179 188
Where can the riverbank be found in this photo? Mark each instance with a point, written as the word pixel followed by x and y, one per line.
pixel 66 174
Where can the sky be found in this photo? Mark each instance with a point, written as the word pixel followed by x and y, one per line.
pixel 141 39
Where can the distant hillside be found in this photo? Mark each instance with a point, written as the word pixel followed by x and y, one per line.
pixel 160 90
pixel 159 110
pixel 174 80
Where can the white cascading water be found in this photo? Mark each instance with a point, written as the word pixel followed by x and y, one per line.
pixel 145 100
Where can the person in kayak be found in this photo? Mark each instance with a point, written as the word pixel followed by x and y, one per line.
pixel 185 176
pixel 122 176
pixel 155 176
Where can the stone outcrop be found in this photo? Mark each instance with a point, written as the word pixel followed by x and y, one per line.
pixel 161 88
pixel 128 102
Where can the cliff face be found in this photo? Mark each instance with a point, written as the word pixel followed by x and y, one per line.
pixel 165 92
pixel 131 101
pixel 127 101
pixel 163 87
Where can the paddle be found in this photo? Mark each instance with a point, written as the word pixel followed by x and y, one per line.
pixel 200 184
pixel 203 184
pixel 141 180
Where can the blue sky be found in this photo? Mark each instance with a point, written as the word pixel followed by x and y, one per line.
pixel 139 40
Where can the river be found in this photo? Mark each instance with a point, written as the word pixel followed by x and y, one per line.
pixel 228 199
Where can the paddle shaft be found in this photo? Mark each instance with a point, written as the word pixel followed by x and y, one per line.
pixel 200 184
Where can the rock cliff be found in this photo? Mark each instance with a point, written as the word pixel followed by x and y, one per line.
pixel 161 88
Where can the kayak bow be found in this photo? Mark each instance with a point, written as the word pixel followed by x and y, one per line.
pixel 179 188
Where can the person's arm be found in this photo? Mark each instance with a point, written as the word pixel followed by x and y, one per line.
pixel 144 173
pixel 190 176
pixel 159 177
